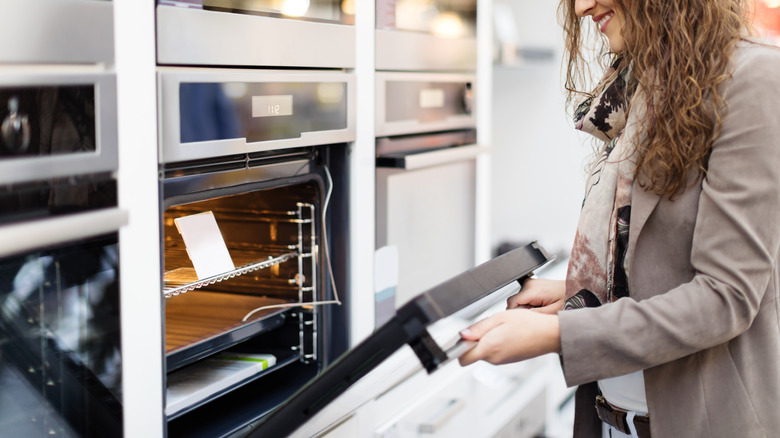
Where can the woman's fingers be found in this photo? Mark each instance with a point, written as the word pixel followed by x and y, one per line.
pixel 541 295
pixel 476 333
pixel 478 329
pixel 511 336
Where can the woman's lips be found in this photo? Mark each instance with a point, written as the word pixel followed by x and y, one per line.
pixel 604 20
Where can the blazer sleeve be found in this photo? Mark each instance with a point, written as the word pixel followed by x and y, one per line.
pixel 734 248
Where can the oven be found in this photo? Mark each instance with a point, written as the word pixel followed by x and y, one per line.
pixel 271 33
pixel 60 350
pixel 425 180
pixel 253 190
pixel 56 122
pixel 433 35
pixel 67 32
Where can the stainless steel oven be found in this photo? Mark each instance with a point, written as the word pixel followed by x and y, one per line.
pixel 307 33
pixel 60 352
pixel 261 157
pixel 425 179
pixel 56 122
pixel 431 35
pixel 57 32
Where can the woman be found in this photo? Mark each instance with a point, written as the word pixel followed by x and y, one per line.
pixel 669 319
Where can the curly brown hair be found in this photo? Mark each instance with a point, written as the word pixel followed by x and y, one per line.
pixel 679 52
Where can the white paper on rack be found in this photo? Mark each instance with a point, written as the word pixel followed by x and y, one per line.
pixel 205 245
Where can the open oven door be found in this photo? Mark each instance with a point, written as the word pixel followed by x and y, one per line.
pixel 366 370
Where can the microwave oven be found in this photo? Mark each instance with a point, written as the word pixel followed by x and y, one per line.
pixel 262 33
pixel 435 35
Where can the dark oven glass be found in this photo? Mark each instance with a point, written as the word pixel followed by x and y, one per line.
pixel 259 111
pixel 47 120
pixel 60 355
pixel 447 18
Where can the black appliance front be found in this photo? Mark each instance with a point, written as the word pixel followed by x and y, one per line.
pixel 280 215
pixel 60 359
pixel 409 326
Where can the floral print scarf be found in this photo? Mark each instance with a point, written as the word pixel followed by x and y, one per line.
pixel 596 273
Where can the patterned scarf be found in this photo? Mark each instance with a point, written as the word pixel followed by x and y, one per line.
pixel 596 273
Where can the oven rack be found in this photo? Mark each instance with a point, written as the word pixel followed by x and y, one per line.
pixel 169 292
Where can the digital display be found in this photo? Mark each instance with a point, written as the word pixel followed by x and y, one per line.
pixel 272 106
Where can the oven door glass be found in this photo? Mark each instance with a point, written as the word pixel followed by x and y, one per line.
pixel 40 121
pixel 446 18
pixel 60 356
pixel 355 369
pixel 331 11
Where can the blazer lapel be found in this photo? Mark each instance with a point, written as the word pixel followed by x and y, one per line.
pixel 642 205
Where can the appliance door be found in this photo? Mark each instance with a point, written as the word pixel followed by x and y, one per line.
pixel 426 210
pixel 208 113
pixel 409 103
pixel 432 35
pixel 56 122
pixel 60 355
pixel 251 33
pixel 57 31
pixel 364 367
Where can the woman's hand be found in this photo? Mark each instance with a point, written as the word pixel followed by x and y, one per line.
pixel 511 336
pixel 540 295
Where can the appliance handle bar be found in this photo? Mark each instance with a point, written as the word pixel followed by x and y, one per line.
pixel 23 237
pixel 439 157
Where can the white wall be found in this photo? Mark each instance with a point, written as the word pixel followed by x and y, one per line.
pixel 538 158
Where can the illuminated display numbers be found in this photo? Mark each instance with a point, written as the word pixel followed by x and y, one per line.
pixel 272 106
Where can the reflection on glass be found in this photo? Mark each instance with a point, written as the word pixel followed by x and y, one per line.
pixel 206 113
pixel 224 111
pixel 447 18
pixel 336 11
pixel 60 360
pixel 42 121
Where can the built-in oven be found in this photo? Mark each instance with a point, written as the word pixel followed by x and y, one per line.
pixel 425 179
pixel 272 33
pixel 254 239
pixel 56 122
pixel 57 32
pixel 428 35
pixel 60 352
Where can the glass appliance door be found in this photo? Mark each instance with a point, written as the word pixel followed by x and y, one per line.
pixel 60 355
pixel 409 326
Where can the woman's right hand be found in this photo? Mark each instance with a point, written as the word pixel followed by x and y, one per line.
pixel 540 295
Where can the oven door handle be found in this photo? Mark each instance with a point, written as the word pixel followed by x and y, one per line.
pixel 432 158
pixel 26 236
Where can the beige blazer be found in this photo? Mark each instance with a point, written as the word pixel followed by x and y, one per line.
pixel 703 320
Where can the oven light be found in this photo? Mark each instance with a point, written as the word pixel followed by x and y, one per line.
pixel 448 24
pixel 295 8
pixel 348 7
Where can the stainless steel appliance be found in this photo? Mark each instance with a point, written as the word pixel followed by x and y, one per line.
pixel 60 352
pixel 57 32
pixel 289 33
pixel 429 35
pixel 426 176
pixel 370 369
pixel 55 122
pixel 264 153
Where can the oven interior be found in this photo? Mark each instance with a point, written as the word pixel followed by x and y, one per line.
pixel 278 300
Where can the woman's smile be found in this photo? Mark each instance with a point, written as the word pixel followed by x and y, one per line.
pixel 608 19
pixel 603 20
